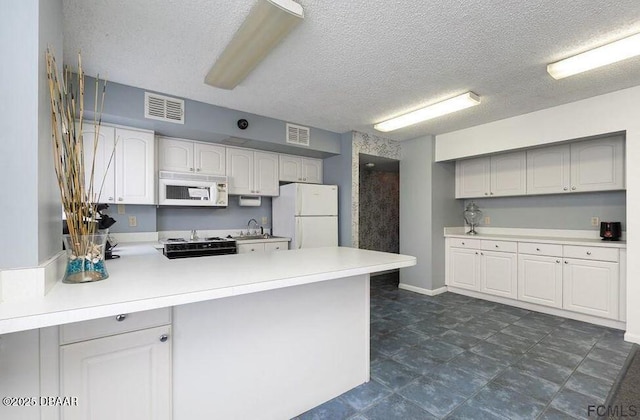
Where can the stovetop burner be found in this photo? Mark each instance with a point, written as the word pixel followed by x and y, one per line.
pixel 182 248
pixel 176 240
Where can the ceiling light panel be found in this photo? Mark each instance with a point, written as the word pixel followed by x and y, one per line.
pixel 448 106
pixel 597 57
pixel 268 22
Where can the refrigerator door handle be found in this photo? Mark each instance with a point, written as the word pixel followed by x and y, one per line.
pixel 298 233
pixel 298 209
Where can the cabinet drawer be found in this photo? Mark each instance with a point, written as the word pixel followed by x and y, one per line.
pixel 276 246
pixel 247 248
pixel 591 253
pixel 504 246
pixel 532 248
pixel 102 327
pixel 465 243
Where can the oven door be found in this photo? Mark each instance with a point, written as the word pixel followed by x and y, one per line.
pixel 188 193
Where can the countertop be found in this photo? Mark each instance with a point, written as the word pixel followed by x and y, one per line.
pixel 145 279
pixel 561 240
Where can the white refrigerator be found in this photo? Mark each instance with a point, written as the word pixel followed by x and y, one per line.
pixel 306 213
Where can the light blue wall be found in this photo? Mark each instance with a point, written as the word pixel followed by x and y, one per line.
pixel 337 170
pixel 125 105
pixel 28 183
pixel 562 211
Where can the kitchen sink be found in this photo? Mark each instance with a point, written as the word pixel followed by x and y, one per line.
pixel 265 236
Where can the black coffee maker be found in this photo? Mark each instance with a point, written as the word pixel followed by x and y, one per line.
pixel 610 231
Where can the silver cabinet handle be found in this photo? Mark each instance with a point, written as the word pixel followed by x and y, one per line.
pixel 573 188
pixel 277 247
pixel 486 193
pixel 164 338
pixel 482 253
pixel 120 199
pixel 191 169
pixel 476 252
pixel 121 317
pixel 588 252
pixel 491 193
pixel 566 262
pixel 558 261
pixel 566 189
pixel 198 170
pixel 497 246
pixel 304 179
pixel 537 249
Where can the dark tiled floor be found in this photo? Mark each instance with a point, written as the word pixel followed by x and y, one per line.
pixel 454 357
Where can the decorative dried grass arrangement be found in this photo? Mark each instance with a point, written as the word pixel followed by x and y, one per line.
pixel 79 201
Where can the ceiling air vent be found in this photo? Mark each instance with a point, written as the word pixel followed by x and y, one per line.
pixel 163 108
pixel 297 134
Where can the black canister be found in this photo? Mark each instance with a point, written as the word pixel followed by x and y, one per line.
pixel 610 231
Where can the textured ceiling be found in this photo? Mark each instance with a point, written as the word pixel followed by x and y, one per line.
pixel 353 63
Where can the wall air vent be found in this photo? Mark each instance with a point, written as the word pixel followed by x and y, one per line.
pixel 297 134
pixel 163 108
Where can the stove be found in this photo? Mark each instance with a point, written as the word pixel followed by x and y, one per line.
pixel 182 248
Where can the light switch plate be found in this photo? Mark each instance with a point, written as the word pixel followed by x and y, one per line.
pixel 595 221
pixel 133 222
pixel 120 208
pixel 264 220
pixel 487 220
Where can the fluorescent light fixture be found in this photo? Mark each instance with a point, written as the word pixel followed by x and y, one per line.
pixel 269 21
pixel 601 56
pixel 454 104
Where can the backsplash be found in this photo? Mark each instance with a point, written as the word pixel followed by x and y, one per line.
pixel 570 211
pixel 169 218
pixel 379 211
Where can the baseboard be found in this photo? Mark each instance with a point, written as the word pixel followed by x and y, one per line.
pixel 633 338
pixel 620 325
pixel 422 291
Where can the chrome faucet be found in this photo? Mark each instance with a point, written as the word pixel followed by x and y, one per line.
pixel 194 235
pixel 249 226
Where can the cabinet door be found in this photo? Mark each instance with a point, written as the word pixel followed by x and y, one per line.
pixel 240 171
pixel 276 246
pixel 499 274
pixel 472 178
pixel 104 166
pixel 266 174
pixel 124 376
pixel 464 268
pixel 175 155
pixel 290 168
pixel 548 170
pixel 540 280
pixel 135 167
pixel 210 159
pixel 597 165
pixel 508 174
pixel 591 287
pixel 312 170
pixel 248 248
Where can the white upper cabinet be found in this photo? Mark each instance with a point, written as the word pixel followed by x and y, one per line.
pixel 592 165
pixel 508 174
pixel 549 170
pixel 188 156
pixel 300 169
pixel 135 167
pixel 597 165
pixel 124 164
pixel 252 173
pixel 472 177
pixel 498 175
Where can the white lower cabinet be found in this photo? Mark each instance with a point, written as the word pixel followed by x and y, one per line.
pixel 540 280
pixel 463 268
pixel 498 274
pixel 262 247
pixel 573 277
pixel 591 287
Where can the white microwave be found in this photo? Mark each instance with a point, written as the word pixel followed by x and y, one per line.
pixel 185 189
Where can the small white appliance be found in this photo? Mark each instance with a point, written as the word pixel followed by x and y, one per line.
pixel 185 189
pixel 306 213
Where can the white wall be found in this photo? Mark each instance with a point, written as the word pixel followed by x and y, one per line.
pixel 613 112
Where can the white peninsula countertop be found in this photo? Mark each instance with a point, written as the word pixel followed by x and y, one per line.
pixel 144 279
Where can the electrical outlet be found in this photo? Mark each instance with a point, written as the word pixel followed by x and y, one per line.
pixel 264 220
pixel 595 221
pixel 487 220
pixel 120 208
pixel 133 221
